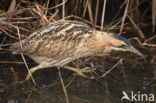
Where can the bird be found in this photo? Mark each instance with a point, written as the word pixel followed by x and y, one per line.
pixel 64 41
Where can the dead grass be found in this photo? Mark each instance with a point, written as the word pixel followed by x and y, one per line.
pixel 24 17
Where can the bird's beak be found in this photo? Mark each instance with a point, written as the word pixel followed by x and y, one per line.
pixel 132 49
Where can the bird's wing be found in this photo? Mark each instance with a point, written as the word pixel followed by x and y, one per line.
pixel 56 39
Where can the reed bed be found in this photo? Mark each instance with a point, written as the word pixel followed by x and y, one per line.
pixel 131 18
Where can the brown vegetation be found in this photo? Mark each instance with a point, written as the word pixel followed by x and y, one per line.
pixel 135 19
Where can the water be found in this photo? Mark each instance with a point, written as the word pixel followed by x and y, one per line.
pixel 132 75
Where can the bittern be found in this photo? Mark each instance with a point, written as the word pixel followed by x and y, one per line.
pixel 64 41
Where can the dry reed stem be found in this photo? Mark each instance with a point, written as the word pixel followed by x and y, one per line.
pixel 56 12
pixel 8 34
pixel 115 25
pixel 46 7
pixel 63 86
pixel 145 42
pixel 103 14
pixel 63 9
pixel 144 14
pixel 123 4
pixel 58 5
pixel 3 45
pixel 71 81
pixel 81 99
pixel 39 11
pixel 137 28
pixel 140 3
pixel 90 13
pixel 125 77
pixel 80 5
pixel 10 24
pixel 28 68
pixel 29 95
pixel 96 11
pixel 114 20
pixel 12 6
pixel 2 42
pixel 150 38
pixel 108 71
pixel 150 45
pixel 124 17
pixel 153 15
pixel 117 21
pixel 14 74
pixel 85 8
pixel 87 21
pixel 8 62
pixel 24 58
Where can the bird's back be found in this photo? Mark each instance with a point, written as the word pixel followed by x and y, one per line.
pixel 54 40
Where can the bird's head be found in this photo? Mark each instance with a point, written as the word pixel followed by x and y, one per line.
pixel 118 43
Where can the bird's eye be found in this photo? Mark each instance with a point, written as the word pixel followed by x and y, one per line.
pixel 122 46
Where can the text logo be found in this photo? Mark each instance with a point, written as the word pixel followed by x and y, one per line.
pixel 137 96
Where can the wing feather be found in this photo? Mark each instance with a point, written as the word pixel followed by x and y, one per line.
pixel 54 40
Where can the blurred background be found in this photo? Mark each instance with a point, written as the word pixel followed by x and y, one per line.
pixel 115 73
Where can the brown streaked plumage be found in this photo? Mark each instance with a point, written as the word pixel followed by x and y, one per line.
pixel 62 42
